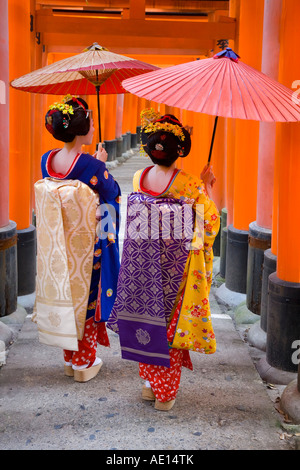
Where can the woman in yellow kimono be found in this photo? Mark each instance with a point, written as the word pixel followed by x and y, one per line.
pixel 175 314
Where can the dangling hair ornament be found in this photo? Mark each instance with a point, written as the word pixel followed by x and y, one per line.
pixel 66 121
pixel 180 151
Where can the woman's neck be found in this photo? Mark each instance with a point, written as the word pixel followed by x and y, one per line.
pixel 164 169
pixel 62 160
pixel 73 147
pixel 158 177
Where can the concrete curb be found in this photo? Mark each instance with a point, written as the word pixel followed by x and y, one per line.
pixel 257 337
pixel 6 334
pixel 273 375
pixel 290 402
pixel 228 297
pixel 243 315
pixel 10 325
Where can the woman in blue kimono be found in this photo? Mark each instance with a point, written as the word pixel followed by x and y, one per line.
pixel 71 122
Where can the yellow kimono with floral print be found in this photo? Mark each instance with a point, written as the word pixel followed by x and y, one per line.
pixel 194 330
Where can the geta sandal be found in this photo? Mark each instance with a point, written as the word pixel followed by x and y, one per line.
pixel 84 375
pixel 147 393
pixel 164 405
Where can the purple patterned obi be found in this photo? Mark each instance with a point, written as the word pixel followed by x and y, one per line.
pixel 156 246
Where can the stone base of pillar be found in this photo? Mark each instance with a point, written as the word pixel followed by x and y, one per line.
pixel 223 250
pixel 10 326
pixel 6 338
pixel 128 140
pixel 257 337
pixel 290 401
pixel 269 267
pixel 27 302
pixel 236 260
pixel 125 139
pixel 283 330
pixel 15 321
pixel 26 249
pixel 111 148
pixel 216 245
pixel 8 269
pixel 122 153
pixel 243 315
pixel 119 146
pixel 133 141
pixel 259 241
pixel 138 134
pixel 274 375
pixel 228 297
pixel 223 242
pixel 257 334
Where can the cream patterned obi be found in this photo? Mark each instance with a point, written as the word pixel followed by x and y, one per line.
pixel 66 228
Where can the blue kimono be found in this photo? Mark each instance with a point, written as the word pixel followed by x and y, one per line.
pixel 106 261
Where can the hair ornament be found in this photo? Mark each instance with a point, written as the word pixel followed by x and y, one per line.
pixel 165 126
pixel 151 121
pixel 148 115
pixel 180 151
pixel 67 118
pixel 63 107
pixel 156 136
pixel 67 98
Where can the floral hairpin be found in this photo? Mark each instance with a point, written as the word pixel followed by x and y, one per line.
pixel 164 126
pixel 66 110
pixel 148 115
pixel 150 123
pixel 67 98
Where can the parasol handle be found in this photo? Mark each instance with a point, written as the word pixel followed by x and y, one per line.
pixel 98 106
pixel 212 140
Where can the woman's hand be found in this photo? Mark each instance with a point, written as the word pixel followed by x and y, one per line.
pixel 101 153
pixel 98 213
pixel 208 178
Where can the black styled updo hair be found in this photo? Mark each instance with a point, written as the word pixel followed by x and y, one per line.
pixel 66 126
pixel 163 143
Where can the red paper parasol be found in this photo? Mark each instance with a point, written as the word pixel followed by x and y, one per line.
pixel 94 71
pixel 220 86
